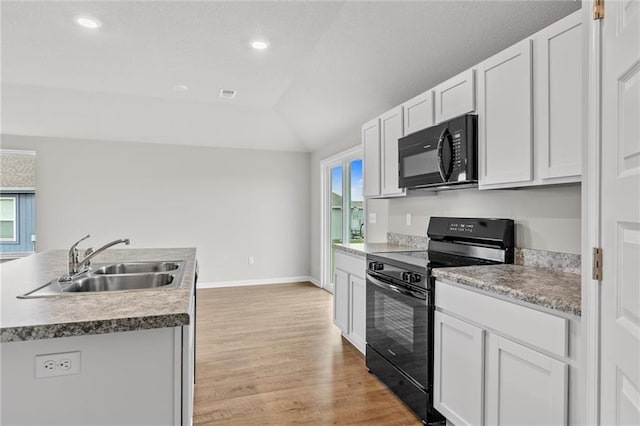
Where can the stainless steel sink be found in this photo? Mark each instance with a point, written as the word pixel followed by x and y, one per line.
pixel 119 282
pixel 115 277
pixel 136 268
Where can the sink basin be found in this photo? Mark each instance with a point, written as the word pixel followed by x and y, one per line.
pixel 118 282
pixel 136 268
pixel 115 277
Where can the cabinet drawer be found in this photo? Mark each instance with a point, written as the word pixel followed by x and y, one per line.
pixel 354 265
pixel 535 328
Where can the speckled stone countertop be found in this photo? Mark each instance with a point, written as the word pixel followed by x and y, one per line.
pixel 92 313
pixel 362 249
pixel 548 288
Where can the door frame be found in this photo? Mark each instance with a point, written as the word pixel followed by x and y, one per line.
pixel 591 200
pixel 325 202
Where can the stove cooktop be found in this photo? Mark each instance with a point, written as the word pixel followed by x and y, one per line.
pixel 419 259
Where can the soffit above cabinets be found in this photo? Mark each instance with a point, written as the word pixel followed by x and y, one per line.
pixel 330 65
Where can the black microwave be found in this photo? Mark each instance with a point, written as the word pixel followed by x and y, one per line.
pixel 442 155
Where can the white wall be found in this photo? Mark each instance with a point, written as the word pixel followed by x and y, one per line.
pixel 547 218
pixel 228 203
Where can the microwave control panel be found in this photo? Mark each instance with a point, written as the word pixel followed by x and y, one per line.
pixel 459 158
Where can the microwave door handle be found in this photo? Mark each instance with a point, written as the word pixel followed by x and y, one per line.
pixel 396 289
pixel 443 175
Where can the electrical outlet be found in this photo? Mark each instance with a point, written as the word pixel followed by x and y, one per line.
pixel 62 364
pixel 372 218
pixel 251 260
pixel 408 219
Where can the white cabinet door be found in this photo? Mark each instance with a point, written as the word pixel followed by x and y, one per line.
pixel 341 300
pixel 418 112
pixel 372 164
pixel 455 96
pixel 391 125
pixel 505 137
pixel 357 317
pixel 558 99
pixel 458 384
pixel 524 387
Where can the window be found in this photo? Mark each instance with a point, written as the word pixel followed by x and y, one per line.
pixel 343 206
pixel 8 219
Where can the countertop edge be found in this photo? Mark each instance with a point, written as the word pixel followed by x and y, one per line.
pixel 531 300
pixel 85 328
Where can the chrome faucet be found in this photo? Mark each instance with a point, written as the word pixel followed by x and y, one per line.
pixel 76 265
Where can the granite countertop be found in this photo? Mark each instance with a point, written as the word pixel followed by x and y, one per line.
pixel 361 249
pixel 92 313
pixel 548 288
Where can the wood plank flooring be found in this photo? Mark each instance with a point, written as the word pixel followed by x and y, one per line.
pixel 271 355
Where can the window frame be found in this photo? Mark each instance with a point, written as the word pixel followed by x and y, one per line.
pixel 343 159
pixel 14 220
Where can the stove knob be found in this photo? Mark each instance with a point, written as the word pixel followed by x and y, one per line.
pixel 414 278
pixel 376 266
pixel 406 276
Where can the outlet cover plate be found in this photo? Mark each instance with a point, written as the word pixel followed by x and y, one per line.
pixel 60 364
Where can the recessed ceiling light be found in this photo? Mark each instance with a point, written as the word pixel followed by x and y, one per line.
pixel 260 44
pixel 227 93
pixel 180 87
pixel 88 22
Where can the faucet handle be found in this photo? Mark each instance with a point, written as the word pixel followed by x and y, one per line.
pixel 79 241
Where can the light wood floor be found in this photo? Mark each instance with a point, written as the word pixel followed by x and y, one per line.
pixel 271 355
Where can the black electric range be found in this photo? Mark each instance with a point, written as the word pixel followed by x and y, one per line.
pixel 400 303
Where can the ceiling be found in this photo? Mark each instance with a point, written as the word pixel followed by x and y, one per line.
pixel 331 65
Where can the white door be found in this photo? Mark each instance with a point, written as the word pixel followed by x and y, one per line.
pixel 505 134
pixel 524 387
pixel 620 219
pixel 391 126
pixel 458 377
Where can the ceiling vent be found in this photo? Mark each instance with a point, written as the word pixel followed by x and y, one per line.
pixel 227 94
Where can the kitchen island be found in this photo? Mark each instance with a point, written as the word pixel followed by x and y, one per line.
pixel 130 353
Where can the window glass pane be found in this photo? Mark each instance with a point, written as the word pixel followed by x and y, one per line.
pixel 6 230
pixel 356 206
pixel 7 209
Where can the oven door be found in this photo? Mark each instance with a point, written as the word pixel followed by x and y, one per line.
pixel 420 157
pixel 397 326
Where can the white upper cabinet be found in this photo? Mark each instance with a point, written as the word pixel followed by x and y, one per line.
pixel 455 96
pixel 418 112
pixel 558 100
pixel 372 163
pixel 391 129
pixel 505 125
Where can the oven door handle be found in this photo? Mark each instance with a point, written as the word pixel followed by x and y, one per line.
pixel 396 289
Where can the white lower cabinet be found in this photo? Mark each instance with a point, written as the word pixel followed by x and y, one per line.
pixel 341 299
pixel 490 368
pixel 357 309
pixel 524 387
pixel 349 298
pixel 458 370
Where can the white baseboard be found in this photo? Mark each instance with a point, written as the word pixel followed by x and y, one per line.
pixel 265 281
